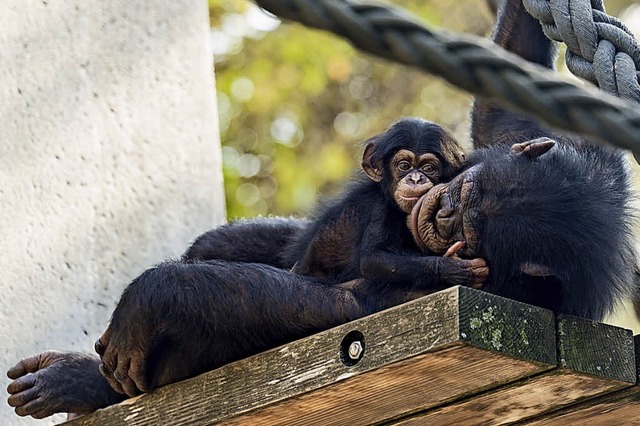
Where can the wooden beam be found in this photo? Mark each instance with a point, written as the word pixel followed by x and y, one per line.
pixel 428 352
pixel 619 408
pixel 594 359
pixel 595 348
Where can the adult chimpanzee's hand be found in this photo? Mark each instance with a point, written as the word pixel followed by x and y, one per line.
pixel 124 359
pixel 126 345
pixel 124 349
pixel 457 271
pixel 179 319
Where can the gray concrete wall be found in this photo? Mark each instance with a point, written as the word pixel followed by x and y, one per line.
pixel 109 160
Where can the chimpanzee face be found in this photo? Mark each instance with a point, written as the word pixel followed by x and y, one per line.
pixel 410 158
pixel 447 214
pixel 412 176
pixel 458 210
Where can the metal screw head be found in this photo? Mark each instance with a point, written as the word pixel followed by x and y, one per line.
pixel 355 350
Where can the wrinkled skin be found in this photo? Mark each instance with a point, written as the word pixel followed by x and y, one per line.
pixel 58 382
pixel 447 214
pixel 125 365
pixel 455 211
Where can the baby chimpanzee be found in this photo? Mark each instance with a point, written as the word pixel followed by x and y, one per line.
pixel 363 233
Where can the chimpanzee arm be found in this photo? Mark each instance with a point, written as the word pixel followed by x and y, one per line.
pixel 260 240
pixel 419 273
pixel 179 319
pixel 383 260
pixel 520 33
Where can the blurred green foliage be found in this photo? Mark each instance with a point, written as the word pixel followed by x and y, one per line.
pixel 294 103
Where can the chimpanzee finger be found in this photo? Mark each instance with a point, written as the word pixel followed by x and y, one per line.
pixel 478 262
pixel 99 347
pixel 109 361
pixel 21 384
pixel 451 251
pixel 42 414
pixel 138 373
pixel 22 398
pixel 110 379
pixel 481 275
pixel 122 376
pixel 26 365
pixel 31 407
pixel 103 341
pixel 107 367
pixel 477 286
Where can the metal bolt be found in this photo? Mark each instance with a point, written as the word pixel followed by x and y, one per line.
pixel 355 350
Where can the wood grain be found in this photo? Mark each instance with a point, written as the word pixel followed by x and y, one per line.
pixel 616 409
pixel 594 359
pixel 518 401
pixel 622 408
pixel 395 390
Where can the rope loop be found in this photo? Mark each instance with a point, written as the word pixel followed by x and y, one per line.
pixel 596 43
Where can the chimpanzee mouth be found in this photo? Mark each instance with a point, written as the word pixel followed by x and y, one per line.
pixel 423 225
pixel 416 198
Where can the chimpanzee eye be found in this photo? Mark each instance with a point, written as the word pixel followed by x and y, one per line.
pixel 429 168
pixel 404 166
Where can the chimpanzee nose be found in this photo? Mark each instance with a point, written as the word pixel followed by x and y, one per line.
pixel 415 177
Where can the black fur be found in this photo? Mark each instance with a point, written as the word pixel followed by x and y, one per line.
pixel 567 210
pixel 364 224
pixel 261 240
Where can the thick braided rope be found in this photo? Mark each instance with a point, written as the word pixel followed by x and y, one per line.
pixel 473 64
pixel 600 48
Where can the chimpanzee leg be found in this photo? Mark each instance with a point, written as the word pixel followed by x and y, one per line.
pixel 520 33
pixel 179 319
pixel 59 382
pixel 259 240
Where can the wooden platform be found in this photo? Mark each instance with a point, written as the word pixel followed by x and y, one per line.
pixel 460 356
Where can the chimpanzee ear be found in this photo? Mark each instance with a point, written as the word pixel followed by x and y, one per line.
pixel 536 270
pixel 452 152
pixel 534 148
pixel 371 168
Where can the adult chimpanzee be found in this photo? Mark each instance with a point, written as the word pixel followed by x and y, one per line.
pixel 363 233
pixel 177 319
pixel 548 211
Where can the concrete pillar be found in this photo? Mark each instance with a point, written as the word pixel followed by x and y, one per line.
pixel 109 160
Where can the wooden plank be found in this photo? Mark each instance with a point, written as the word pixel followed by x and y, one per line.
pixel 616 409
pixel 435 349
pixel 621 408
pixel 595 359
pixel 518 401
pixel 395 390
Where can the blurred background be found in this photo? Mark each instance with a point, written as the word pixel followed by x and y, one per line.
pixel 294 103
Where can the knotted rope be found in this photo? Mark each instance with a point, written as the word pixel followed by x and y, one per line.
pixel 600 48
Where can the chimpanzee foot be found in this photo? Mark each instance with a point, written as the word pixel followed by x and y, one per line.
pixel 59 382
